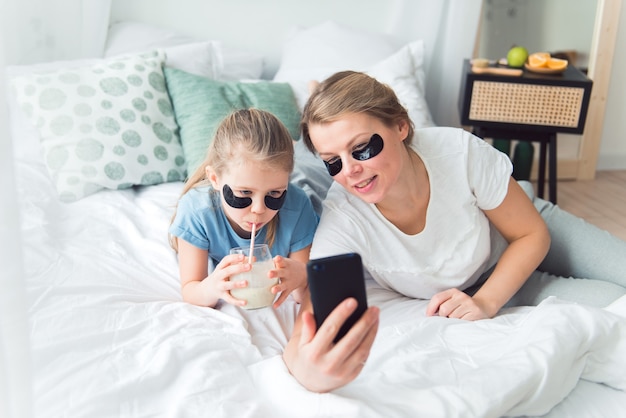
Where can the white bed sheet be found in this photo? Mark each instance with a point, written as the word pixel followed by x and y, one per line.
pixel 111 337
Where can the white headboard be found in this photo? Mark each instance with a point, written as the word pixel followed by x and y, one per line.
pixel 448 28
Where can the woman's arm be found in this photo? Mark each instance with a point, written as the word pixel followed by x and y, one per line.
pixel 529 240
pixel 319 364
pixel 199 289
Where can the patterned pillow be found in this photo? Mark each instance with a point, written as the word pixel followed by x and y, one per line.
pixel 108 125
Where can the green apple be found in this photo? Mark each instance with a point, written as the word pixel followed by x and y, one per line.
pixel 517 56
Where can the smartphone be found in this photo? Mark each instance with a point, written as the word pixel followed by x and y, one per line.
pixel 333 279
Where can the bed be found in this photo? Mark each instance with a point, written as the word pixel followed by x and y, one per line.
pixel 109 333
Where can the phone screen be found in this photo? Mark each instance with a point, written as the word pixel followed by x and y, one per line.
pixel 332 280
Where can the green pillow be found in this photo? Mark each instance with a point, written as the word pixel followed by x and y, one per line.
pixel 200 104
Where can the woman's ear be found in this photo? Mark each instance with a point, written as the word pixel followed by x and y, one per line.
pixel 403 128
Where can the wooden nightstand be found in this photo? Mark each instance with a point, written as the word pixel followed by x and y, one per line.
pixel 532 107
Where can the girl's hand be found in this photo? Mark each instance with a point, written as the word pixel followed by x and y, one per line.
pixel 218 285
pixel 292 274
pixel 453 303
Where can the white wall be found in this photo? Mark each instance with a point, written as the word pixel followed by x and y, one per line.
pixel 262 28
pixel 538 25
pixel 508 21
pixel 15 377
pixel 447 28
pixel 613 146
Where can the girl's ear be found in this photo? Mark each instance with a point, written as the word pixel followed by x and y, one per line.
pixel 212 177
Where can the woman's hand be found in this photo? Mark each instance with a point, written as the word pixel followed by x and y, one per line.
pixel 293 278
pixel 453 303
pixel 321 365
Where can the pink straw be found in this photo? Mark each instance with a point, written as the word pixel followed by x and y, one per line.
pixel 252 234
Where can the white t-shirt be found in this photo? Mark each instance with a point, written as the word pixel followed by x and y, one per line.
pixel 467 175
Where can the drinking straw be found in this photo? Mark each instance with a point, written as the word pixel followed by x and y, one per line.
pixel 252 234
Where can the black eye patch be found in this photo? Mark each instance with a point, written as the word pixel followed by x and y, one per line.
pixel 234 201
pixel 371 150
pixel 272 203
pixel 333 168
pixel 275 203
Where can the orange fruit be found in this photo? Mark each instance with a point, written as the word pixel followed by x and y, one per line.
pixel 539 59
pixel 557 64
pixel 545 55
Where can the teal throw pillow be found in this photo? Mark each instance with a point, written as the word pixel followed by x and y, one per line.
pixel 200 104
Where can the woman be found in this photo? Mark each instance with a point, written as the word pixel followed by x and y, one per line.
pixel 435 214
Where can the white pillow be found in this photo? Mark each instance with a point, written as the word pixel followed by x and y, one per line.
pixel 107 125
pixel 130 37
pixel 329 46
pixel 240 65
pixel 320 51
pixel 404 72
pixel 199 58
pixel 227 63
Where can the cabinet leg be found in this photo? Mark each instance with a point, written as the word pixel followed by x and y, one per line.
pixel 541 174
pixel 553 179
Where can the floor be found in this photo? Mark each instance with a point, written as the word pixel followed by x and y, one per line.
pixel 601 201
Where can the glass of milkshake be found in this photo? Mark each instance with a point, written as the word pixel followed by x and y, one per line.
pixel 257 293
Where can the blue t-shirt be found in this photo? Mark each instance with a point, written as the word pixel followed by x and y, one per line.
pixel 201 221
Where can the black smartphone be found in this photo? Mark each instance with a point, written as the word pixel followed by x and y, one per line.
pixel 333 279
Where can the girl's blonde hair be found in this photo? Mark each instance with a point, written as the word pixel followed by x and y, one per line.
pixel 248 135
pixel 352 92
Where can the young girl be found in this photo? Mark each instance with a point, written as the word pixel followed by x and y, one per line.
pixel 242 185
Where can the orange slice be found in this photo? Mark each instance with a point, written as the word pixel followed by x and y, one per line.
pixel 557 64
pixel 545 55
pixel 539 59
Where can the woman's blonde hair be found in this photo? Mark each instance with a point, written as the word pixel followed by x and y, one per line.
pixel 248 135
pixel 352 92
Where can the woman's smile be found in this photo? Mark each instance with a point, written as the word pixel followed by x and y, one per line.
pixel 365 185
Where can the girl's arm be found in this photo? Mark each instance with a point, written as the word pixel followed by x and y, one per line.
pixel 292 272
pixel 199 289
pixel 529 240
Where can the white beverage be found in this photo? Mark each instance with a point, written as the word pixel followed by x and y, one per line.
pixel 258 293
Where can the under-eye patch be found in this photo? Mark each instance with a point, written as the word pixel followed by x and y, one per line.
pixel 370 150
pixel 275 203
pixel 272 203
pixel 234 201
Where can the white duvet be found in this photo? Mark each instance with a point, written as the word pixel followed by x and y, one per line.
pixel 112 338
